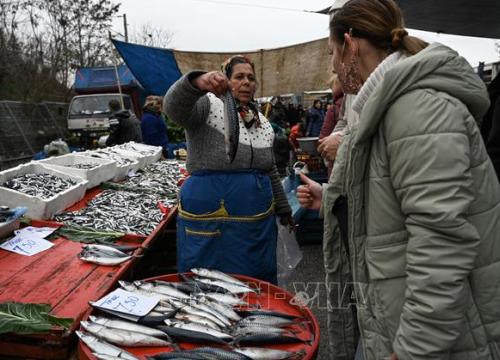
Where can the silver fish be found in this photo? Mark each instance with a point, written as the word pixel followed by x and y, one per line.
pixel 102 347
pixel 231 126
pixel 268 354
pixel 106 250
pixel 100 260
pixel 196 319
pixel 266 320
pixel 231 287
pixel 161 289
pixel 106 357
pixel 227 311
pixel 127 325
pixel 227 299
pixel 122 337
pixel 217 275
pixel 198 327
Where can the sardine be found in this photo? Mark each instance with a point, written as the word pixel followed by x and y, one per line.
pixel 122 337
pixel 231 125
pixel 102 347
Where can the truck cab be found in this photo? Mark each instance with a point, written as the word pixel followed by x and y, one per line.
pixel 88 115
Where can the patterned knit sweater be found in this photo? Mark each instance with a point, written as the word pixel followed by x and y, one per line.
pixel 202 116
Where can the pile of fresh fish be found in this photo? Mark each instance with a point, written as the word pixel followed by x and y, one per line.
pixel 110 154
pixel 122 211
pixel 43 186
pixel 142 149
pixel 162 177
pixel 103 255
pixel 206 308
pixel 83 166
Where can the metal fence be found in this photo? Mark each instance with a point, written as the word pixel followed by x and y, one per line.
pixel 26 127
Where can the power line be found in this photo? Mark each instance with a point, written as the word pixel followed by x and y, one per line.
pixel 253 5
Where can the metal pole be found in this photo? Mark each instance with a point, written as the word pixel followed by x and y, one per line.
pixel 119 87
pixel 125 26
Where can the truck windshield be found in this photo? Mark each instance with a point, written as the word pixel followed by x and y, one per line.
pixel 92 105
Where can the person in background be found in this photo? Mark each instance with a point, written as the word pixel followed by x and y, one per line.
pixel 315 117
pixel 331 118
pixel 333 113
pixel 227 210
pixel 124 125
pixel 153 127
pixel 297 131
pixel 292 114
pixel 423 200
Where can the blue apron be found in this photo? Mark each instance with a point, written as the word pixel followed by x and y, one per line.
pixel 226 222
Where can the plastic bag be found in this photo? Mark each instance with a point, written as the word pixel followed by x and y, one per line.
pixel 288 253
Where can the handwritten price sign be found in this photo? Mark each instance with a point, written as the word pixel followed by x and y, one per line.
pixel 26 246
pixel 127 302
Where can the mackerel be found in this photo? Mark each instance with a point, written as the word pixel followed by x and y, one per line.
pixel 231 125
pixel 102 347
pixel 231 287
pixel 256 353
pixel 217 275
pixel 198 327
pixel 122 337
pixel 191 336
pixel 227 299
pixel 126 325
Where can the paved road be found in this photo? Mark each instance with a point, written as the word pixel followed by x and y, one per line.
pixel 308 279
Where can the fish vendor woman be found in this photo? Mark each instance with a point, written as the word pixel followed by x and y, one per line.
pixel 228 207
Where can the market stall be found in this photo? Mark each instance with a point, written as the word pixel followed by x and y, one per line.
pixel 68 272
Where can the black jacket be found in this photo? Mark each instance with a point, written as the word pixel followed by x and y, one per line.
pixel 127 129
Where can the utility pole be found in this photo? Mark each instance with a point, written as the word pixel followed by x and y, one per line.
pixel 125 26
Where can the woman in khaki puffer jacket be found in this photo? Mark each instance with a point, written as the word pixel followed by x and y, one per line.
pixel 423 198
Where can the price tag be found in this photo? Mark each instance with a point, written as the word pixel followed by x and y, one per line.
pixel 26 245
pixel 34 232
pixel 127 302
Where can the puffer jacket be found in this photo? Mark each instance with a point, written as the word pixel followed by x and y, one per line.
pixel 423 214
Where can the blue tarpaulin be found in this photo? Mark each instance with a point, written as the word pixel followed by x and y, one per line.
pixel 156 69
pixel 87 78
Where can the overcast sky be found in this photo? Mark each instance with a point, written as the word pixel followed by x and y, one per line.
pixel 226 25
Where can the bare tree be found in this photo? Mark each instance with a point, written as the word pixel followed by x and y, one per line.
pixel 151 35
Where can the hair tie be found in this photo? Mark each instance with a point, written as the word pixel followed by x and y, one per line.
pixel 397 36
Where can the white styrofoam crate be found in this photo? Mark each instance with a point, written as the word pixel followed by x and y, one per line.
pixel 156 151
pixel 40 208
pixel 141 159
pixel 121 170
pixel 104 171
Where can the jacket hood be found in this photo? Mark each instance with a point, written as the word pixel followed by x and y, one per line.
pixel 436 67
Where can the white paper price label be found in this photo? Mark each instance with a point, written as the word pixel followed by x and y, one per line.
pixel 127 302
pixel 34 232
pixel 26 245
